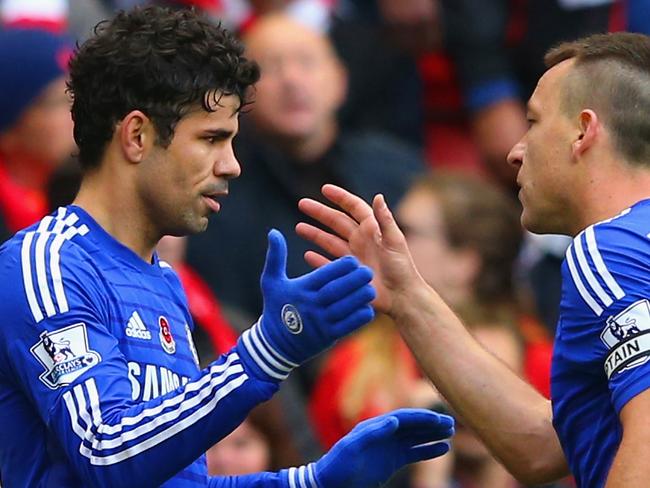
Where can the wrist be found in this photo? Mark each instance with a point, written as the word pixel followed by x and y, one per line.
pixel 412 301
pixel 303 477
pixel 260 358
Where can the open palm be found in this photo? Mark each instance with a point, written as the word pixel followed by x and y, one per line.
pixel 369 233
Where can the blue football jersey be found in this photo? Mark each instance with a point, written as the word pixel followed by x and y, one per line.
pixel 602 344
pixel 99 379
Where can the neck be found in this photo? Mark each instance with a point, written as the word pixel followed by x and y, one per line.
pixel 609 192
pixel 312 147
pixel 112 202
pixel 27 171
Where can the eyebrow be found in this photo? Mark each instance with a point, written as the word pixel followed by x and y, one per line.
pixel 220 133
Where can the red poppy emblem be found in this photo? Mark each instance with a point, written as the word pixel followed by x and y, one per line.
pixel 166 338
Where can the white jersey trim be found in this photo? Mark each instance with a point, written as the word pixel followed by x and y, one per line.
pixel 302 477
pixel 597 296
pixel 600 264
pixel 43 244
pixel 598 310
pixel 86 418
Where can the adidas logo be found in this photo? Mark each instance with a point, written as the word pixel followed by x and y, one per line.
pixel 135 328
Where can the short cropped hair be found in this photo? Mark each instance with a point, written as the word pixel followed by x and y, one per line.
pixel 611 75
pixel 160 61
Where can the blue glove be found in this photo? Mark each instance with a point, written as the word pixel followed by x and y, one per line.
pixel 375 449
pixel 304 316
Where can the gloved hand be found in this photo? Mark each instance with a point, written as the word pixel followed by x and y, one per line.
pixel 305 315
pixel 375 449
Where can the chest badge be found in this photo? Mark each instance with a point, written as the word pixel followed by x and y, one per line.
pixel 165 335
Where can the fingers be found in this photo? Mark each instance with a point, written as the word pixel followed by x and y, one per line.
pixel 317 279
pixel 351 303
pixel 276 256
pixel 330 243
pixel 413 417
pixel 353 321
pixel 420 426
pixel 352 204
pixel 390 232
pixel 434 425
pixel 426 451
pixel 315 260
pixel 370 430
pixel 341 223
pixel 339 288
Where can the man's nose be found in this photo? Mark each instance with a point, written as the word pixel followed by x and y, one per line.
pixel 516 154
pixel 228 166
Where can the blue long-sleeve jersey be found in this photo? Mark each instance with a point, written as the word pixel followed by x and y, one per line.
pixel 99 379
pixel 602 344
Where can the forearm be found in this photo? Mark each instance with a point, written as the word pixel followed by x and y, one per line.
pixel 629 470
pixel 146 443
pixel 512 419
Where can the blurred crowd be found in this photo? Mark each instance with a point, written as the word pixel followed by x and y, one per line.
pixel 420 100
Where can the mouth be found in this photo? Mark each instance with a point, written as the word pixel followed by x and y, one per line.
pixel 212 201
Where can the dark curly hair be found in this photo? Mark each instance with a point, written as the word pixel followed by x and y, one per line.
pixel 157 60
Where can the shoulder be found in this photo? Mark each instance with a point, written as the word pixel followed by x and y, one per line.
pixel 606 264
pixel 47 266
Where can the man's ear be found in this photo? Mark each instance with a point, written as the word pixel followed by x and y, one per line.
pixel 137 135
pixel 589 130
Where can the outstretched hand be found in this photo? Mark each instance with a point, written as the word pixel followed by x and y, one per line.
pixel 305 315
pixel 378 447
pixel 368 232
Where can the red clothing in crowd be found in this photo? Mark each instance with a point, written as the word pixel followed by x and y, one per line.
pixel 325 404
pixel 20 207
pixel 205 310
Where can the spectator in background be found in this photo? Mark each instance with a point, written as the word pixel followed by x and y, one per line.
pixel 35 122
pixel 497 51
pixel 380 42
pixel 245 450
pixel 464 235
pixel 289 146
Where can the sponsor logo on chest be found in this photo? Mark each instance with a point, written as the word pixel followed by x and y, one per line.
pixel 150 381
pixel 136 329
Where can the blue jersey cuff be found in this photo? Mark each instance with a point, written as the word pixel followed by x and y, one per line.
pixel 303 477
pixel 258 355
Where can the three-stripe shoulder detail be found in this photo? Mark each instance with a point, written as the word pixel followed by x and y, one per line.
pixel 590 275
pixel 41 263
